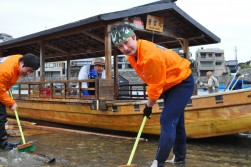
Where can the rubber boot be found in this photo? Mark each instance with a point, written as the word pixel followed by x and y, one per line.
pixel 4 144
pixel 3 139
pixel 10 146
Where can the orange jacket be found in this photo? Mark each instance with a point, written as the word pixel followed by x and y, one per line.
pixel 9 74
pixel 158 67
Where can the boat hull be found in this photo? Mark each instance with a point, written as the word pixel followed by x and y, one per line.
pixel 205 116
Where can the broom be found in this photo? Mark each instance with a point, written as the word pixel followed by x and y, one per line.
pixel 135 145
pixel 25 147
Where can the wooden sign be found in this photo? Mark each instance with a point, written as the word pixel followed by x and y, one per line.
pixel 154 23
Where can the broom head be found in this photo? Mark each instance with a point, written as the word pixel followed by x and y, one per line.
pixel 26 147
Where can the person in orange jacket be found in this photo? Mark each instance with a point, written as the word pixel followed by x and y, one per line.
pixel 168 76
pixel 11 68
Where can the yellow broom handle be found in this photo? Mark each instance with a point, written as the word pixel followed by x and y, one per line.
pixel 137 141
pixel 18 122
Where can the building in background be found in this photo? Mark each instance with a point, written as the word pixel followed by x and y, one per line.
pixel 5 37
pixel 54 69
pixel 210 60
pixel 59 69
pixel 232 65
pixel 123 64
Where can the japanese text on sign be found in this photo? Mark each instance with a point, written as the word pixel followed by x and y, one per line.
pixel 154 23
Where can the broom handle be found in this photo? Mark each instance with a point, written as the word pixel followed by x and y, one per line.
pixel 18 122
pixel 137 141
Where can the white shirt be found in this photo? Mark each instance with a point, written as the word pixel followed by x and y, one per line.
pixel 84 73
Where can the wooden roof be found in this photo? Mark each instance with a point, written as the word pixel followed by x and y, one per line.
pixel 86 38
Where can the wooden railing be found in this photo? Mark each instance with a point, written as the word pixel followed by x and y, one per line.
pixel 132 91
pixel 65 90
pixel 55 89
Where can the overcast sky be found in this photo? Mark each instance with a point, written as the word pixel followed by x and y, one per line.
pixel 228 19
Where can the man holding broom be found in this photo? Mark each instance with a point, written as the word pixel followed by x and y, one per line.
pixel 11 68
pixel 168 76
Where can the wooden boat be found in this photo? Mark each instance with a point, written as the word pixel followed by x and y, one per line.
pixel 209 115
pixel 111 108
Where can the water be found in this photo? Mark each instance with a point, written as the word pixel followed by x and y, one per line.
pixel 83 150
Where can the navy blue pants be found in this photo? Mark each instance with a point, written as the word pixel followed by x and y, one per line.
pixel 3 120
pixel 173 133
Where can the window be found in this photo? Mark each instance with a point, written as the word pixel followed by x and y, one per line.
pixel 218 63
pixel 217 54
pixel 206 64
pixel 121 59
pixel 119 66
pixel 128 66
pixel 203 55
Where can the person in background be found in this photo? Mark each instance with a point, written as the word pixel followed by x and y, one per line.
pixel 212 84
pixel 168 76
pixel 97 69
pixel 11 68
pixel 237 82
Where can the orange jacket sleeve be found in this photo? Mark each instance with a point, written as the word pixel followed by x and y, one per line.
pixel 9 74
pixel 159 68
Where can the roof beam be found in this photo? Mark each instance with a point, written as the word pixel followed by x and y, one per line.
pixel 93 36
pixel 73 54
pixel 56 48
pixel 164 33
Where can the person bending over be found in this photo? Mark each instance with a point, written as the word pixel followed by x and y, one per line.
pixel 11 69
pixel 168 76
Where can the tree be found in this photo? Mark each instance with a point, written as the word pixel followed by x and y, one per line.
pixel 244 65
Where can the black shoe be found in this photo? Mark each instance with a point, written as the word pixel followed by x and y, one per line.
pixel 180 162
pixel 10 146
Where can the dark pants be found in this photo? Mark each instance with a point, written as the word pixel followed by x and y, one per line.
pixel 91 85
pixel 3 120
pixel 173 133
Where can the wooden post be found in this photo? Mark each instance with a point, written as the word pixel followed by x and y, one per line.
pixel 186 48
pixel 19 91
pixel 42 61
pixel 115 71
pixel 105 89
pixel 97 90
pixel 108 52
pixel 68 74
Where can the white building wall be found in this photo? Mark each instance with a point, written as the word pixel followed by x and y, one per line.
pixel 210 60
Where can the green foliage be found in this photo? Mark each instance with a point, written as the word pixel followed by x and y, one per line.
pixel 244 65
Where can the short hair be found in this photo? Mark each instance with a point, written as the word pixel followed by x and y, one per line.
pixel 30 60
pixel 209 73
pixel 238 74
